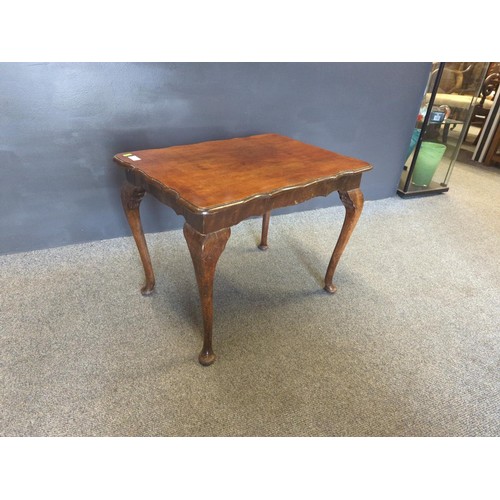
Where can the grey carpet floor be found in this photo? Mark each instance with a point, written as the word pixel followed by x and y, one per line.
pixel 409 345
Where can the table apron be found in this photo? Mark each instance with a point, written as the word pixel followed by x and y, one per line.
pixel 229 215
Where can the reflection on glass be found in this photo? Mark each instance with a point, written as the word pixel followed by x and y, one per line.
pixel 441 126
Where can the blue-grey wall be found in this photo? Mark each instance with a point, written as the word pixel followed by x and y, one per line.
pixel 61 124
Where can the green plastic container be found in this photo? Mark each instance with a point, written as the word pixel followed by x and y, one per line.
pixel 429 156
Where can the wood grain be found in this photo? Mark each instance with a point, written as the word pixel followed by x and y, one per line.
pixel 215 185
pixel 265 230
pixel 205 250
pixel 353 203
pixel 209 175
pixel 131 199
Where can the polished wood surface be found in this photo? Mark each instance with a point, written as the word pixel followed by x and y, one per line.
pixel 131 199
pixel 210 175
pixel 353 203
pixel 215 185
pixel 205 250
pixel 265 230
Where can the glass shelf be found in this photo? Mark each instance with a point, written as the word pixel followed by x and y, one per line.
pixel 441 127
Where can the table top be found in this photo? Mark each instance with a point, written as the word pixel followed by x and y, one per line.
pixel 214 174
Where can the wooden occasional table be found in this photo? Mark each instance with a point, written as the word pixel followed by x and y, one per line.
pixel 217 184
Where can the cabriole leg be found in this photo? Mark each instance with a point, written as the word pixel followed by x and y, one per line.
pixel 131 199
pixel 353 203
pixel 205 250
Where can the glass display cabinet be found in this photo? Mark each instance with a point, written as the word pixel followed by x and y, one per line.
pixel 442 125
